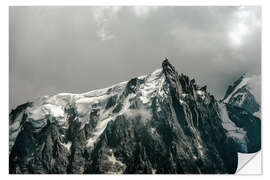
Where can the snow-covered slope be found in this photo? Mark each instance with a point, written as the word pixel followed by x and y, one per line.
pixel 53 108
pixel 237 134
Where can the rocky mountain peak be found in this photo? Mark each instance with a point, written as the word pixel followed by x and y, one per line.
pixel 240 94
pixel 132 86
pixel 232 87
pixel 162 123
pixel 167 66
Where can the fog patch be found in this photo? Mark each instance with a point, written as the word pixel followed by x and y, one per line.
pixel 255 87
pixel 141 114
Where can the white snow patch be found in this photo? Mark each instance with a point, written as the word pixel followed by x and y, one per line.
pixel 152 86
pixel 47 109
pixel 153 130
pixel 37 115
pixel 61 99
pixel 158 109
pixel 144 99
pixel 201 94
pixel 83 106
pixel 257 114
pixel 238 134
pixel 67 145
pixel 98 131
pixel 183 95
pixel 86 100
pixel 55 111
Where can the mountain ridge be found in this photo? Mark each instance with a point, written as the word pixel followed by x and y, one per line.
pixel 241 94
pixel 162 123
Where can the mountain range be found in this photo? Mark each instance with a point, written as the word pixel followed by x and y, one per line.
pixel 160 123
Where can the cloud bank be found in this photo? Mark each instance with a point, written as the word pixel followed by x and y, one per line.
pixel 78 49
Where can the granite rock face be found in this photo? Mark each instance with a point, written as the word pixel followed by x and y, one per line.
pixel 160 123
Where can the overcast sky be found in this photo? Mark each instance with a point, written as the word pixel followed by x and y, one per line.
pixel 78 49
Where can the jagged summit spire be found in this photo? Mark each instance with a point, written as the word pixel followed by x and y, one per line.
pixel 244 74
pixel 167 66
pixel 165 61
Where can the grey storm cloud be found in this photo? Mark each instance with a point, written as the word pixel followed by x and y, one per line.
pixel 78 49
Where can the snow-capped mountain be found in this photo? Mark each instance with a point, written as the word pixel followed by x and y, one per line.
pixel 162 122
pixel 241 93
pixel 241 100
